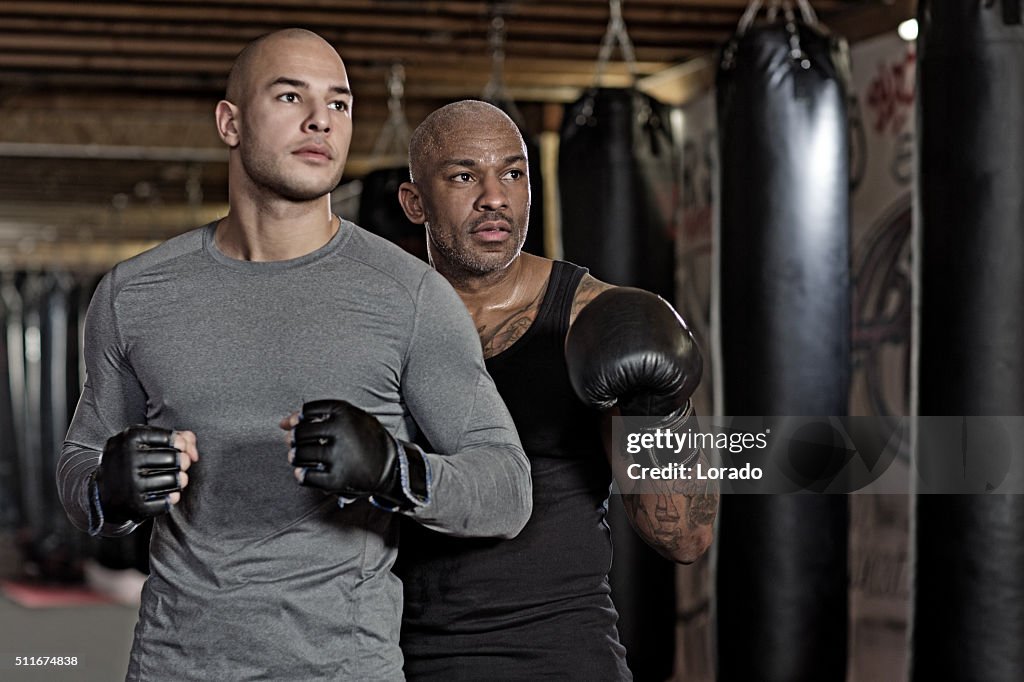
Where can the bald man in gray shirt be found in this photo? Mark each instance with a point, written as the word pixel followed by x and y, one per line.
pixel 269 561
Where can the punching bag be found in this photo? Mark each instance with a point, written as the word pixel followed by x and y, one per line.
pixel 380 212
pixel 14 443
pixel 618 166
pixel 62 547
pixel 619 178
pixel 784 283
pixel 10 512
pixel 535 235
pixel 33 301
pixel 968 621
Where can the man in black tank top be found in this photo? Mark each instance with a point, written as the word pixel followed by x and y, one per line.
pixel 560 345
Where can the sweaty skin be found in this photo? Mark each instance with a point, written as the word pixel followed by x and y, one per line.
pixel 468 165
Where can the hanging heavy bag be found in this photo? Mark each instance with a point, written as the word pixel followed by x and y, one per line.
pixel 784 282
pixel 10 512
pixel 619 171
pixel 968 584
pixel 619 168
pixel 33 297
pixel 535 235
pixel 616 166
pixel 380 212
pixel 495 93
pixel 62 548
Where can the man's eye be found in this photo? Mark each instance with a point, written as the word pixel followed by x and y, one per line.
pixel 463 177
pixel 339 106
pixel 288 97
pixel 515 174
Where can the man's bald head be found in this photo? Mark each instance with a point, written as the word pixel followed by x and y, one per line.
pixel 447 123
pixel 241 74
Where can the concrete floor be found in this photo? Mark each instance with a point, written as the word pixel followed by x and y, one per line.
pixel 99 636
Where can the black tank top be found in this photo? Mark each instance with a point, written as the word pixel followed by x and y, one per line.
pixel 537 606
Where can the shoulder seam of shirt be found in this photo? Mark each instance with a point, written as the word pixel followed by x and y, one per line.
pixel 118 281
pixel 413 298
pixel 408 291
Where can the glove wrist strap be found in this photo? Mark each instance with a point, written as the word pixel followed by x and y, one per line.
pixel 95 508
pixel 414 478
pixel 97 519
pixel 682 420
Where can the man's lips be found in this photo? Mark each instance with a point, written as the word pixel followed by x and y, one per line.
pixel 314 152
pixel 492 231
pixel 492 226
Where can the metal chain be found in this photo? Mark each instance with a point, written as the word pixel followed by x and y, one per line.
pixel 394 135
pixel 616 33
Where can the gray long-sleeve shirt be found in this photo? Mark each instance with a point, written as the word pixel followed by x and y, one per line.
pixel 253 576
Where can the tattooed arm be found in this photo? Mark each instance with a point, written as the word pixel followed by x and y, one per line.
pixel 676 517
pixel 586 291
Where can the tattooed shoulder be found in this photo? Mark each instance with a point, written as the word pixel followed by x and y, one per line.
pixel 587 290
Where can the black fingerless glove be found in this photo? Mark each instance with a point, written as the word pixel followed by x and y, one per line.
pixel 345 450
pixel 137 474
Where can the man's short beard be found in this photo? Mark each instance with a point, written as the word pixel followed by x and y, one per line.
pixel 470 263
pixel 265 175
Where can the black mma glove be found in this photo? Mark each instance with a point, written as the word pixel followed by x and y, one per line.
pixel 629 347
pixel 137 474
pixel 345 451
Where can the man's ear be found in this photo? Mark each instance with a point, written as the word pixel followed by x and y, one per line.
pixel 412 203
pixel 227 122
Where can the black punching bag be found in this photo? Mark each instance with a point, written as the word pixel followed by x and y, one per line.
pixel 535 235
pixel 619 173
pixel 10 512
pixel 380 212
pixel 618 166
pixel 784 282
pixel 969 567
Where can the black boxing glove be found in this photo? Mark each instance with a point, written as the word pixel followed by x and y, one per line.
pixel 345 451
pixel 137 474
pixel 629 347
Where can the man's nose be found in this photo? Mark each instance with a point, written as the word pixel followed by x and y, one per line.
pixel 493 195
pixel 318 120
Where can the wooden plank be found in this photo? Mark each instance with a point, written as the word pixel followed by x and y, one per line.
pixel 233 38
pixel 267 18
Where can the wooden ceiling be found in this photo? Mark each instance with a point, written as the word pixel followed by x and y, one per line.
pixel 106 106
